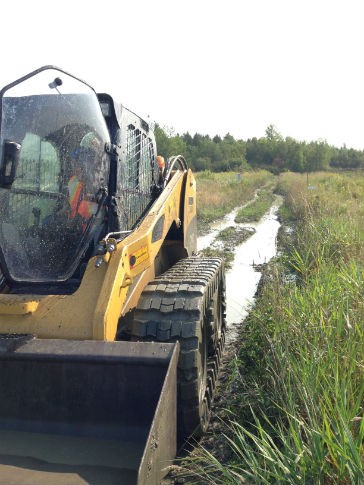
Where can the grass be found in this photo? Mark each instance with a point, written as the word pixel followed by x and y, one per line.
pixel 226 241
pixel 226 255
pixel 297 409
pixel 254 211
pixel 220 193
pixel 227 234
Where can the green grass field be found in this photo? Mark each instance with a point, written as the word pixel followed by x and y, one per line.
pixel 297 408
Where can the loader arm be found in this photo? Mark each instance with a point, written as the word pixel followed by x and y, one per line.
pixel 93 311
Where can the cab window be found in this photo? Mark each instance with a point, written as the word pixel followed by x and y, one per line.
pixel 39 167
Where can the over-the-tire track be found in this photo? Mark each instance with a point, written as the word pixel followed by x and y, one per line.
pixel 177 306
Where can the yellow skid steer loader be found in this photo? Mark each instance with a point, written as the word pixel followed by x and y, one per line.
pixel 111 328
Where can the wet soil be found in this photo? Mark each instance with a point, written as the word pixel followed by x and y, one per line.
pixel 252 246
pixel 214 441
pixel 226 242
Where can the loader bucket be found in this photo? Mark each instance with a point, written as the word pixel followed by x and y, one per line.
pixel 86 412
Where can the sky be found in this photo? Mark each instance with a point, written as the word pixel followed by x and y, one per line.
pixel 206 66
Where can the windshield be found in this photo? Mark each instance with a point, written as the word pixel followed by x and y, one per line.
pixel 52 207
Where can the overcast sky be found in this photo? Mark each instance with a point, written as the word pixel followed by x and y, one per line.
pixel 211 67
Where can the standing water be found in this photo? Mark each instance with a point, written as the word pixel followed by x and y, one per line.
pixel 242 279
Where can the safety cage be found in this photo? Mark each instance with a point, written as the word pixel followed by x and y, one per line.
pixel 134 179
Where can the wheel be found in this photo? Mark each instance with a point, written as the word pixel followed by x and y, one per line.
pixel 187 303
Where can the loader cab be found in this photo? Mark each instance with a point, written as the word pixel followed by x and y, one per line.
pixel 54 176
pixel 74 166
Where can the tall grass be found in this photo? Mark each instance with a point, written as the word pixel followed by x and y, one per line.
pixel 219 193
pixel 298 411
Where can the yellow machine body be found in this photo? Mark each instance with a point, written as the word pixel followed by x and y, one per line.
pixel 109 291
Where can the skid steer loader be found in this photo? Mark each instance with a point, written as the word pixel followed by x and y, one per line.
pixel 111 328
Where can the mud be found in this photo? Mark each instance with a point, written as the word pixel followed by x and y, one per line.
pixel 248 257
pixel 242 280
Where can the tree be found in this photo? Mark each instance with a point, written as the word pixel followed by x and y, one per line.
pixel 162 141
pixel 318 155
pixel 271 152
pixel 187 138
pixel 272 134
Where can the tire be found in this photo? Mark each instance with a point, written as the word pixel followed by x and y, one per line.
pixel 187 303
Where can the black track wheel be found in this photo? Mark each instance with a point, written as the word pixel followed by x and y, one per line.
pixel 187 303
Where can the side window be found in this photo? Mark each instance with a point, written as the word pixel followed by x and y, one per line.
pixel 146 164
pixel 131 174
pixel 139 161
pixel 136 179
pixel 39 167
pixel 50 168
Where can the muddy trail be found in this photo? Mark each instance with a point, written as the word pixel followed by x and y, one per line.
pixel 248 247
pixel 252 246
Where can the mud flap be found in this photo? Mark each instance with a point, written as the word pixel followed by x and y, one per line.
pixel 86 412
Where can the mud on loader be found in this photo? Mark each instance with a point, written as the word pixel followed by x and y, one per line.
pixel 111 327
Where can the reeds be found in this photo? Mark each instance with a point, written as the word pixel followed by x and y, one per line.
pixel 299 385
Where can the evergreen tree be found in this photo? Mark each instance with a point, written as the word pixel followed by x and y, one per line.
pixel 271 152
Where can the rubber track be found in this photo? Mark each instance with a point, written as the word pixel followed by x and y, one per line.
pixel 171 308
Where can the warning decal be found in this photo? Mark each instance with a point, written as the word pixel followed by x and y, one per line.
pixel 138 257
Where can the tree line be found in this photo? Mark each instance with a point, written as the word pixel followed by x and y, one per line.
pixel 271 152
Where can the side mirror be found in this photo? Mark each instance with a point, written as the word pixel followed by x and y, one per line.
pixel 9 163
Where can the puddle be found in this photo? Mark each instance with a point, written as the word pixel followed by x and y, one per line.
pixel 228 220
pixel 242 279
